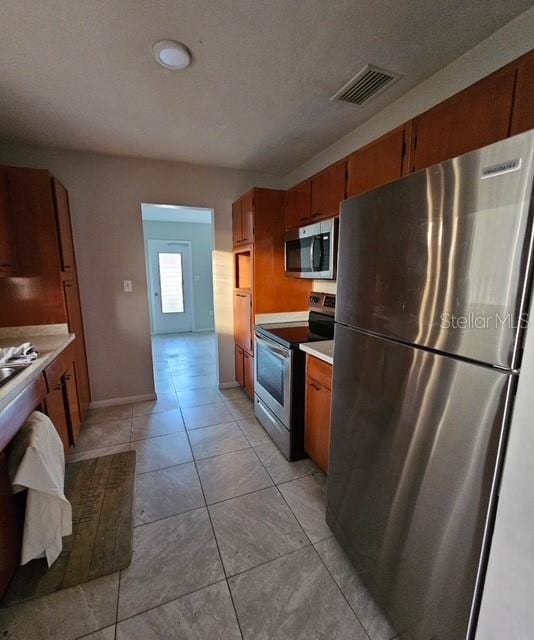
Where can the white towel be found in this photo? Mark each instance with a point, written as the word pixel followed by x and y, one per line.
pixel 22 355
pixel 37 463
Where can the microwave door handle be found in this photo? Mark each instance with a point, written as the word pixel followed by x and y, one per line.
pixel 312 254
pixel 314 266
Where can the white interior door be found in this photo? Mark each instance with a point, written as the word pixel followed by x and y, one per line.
pixel 171 286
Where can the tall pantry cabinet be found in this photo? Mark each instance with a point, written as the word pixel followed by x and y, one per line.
pixel 260 283
pixel 39 285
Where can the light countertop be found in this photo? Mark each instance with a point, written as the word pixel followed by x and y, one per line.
pixel 322 350
pixel 48 346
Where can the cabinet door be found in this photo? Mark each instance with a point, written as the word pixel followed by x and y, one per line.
pixel 10 529
pixel 75 322
pixel 298 205
pixel 35 296
pixel 248 371
pixel 317 423
pixel 242 321
pixel 473 118
pixel 66 244
pixel 7 236
pixel 523 116
pixel 377 163
pixel 239 362
pixel 328 191
pixel 56 411
pixel 71 402
pixel 247 217
pixel 236 221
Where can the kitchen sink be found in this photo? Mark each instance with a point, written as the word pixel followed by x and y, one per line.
pixel 6 373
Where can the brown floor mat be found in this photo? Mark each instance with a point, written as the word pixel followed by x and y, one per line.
pixel 101 492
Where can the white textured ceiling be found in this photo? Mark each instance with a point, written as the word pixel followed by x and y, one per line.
pixel 174 213
pixel 80 74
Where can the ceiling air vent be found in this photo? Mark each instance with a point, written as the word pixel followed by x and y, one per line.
pixel 365 85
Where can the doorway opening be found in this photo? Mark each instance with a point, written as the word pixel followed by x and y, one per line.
pixel 178 251
pixel 179 243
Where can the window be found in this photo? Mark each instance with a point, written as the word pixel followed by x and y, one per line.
pixel 171 282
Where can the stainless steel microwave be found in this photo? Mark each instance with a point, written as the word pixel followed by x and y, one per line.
pixel 311 251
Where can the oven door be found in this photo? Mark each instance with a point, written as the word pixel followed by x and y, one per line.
pixel 273 377
pixel 310 252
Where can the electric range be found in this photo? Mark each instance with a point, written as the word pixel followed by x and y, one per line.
pixel 280 373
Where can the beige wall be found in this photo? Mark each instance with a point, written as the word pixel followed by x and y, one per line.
pixel 505 45
pixel 106 194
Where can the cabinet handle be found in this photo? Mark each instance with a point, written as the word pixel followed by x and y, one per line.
pixel 316 386
pixel 58 386
pixel 68 284
pixel 67 377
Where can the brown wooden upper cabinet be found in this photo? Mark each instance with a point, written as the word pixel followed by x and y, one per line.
pixel 473 118
pixel 45 290
pixel 297 205
pixel 523 117
pixel 379 162
pixel 247 217
pixel 8 257
pixel 328 190
pixel 236 222
pixel 243 219
pixel 66 244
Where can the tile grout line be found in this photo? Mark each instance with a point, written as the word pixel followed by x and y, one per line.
pixel 161 604
pixel 215 540
pixel 340 589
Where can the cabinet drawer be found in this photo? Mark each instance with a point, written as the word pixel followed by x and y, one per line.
pixel 319 371
pixel 58 367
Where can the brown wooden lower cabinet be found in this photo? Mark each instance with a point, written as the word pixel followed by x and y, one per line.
pixel 239 366
pixel 57 412
pixel 55 392
pixel 248 370
pixel 317 411
pixel 70 391
pixel 244 370
pixel 10 530
pixel 74 317
pixel 62 401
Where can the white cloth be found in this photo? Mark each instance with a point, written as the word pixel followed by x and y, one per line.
pixel 22 355
pixel 42 472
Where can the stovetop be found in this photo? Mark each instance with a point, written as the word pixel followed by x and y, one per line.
pixel 320 324
pixel 290 334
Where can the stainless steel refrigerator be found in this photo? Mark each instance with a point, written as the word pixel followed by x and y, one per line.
pixel 434 280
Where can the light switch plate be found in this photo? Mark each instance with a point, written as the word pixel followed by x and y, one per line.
pixel 128 287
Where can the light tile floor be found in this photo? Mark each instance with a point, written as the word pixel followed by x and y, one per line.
pixel 230 539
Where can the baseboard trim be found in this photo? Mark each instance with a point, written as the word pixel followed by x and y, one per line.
pixel 228 385
pixel 111 402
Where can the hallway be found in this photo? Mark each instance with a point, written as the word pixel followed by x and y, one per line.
pixel 229 540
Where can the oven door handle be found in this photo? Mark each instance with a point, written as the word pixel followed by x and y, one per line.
pixel 272 346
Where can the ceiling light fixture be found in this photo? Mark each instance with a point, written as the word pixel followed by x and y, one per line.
pixel 171 54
